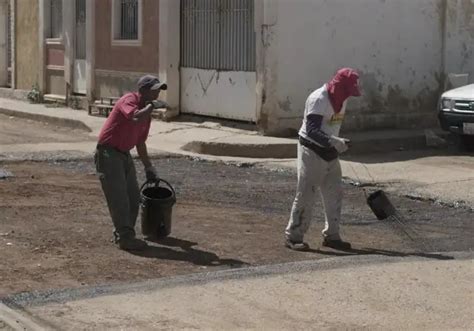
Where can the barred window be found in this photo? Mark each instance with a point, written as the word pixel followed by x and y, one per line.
pixel 127 20
pixel 56 19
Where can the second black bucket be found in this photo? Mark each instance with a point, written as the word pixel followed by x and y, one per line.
pixel 156 208
pixel 381 205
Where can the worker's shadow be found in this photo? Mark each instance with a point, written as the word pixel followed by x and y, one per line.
pixel 185 252
pixel 375 251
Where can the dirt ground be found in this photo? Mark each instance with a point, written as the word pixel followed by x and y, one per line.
pixel 35 132
pixel 55 231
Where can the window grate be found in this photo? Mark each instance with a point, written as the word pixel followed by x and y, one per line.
pixel 128 20
pixel 218 35
pixel 56 19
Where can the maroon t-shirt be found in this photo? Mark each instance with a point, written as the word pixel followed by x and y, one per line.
pixel 120 131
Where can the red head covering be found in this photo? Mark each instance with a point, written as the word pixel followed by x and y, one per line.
pixel 343 85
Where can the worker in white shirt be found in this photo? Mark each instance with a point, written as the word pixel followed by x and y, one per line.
pixel 318 161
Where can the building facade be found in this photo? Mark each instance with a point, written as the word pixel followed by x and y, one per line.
pixel 248 60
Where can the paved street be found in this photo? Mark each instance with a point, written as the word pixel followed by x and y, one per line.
pixel 382 98
pixel 342 294
pixel 230 216
pixel 225 218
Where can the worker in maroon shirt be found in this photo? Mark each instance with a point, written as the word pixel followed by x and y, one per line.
pixel 127 127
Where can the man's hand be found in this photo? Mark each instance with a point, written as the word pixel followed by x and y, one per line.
pixel 151 174
pixel 158 104
pixel 348 142
pixel 340 144
pixel 143 113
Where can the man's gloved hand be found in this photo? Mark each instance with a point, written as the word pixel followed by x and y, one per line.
pixel 158 104
pixel 340 144
pixel 151 173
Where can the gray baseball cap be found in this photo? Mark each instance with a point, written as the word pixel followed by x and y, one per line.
pixel 151 82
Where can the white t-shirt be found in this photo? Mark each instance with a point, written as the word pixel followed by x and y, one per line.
pixel 318 103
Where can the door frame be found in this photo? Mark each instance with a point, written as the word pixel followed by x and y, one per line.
pixel 4 40
pixel 69 28
pixel 74 51
pixel 7 9
pixel 170 52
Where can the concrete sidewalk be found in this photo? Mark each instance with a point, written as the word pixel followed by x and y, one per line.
pixel 209 139
pixel 169 137
pixel 364 292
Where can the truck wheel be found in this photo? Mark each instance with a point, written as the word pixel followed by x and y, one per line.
pixel 467 143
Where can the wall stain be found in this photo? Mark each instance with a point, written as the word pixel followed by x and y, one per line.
pixel 372 90
pixel 267 34
pixel 387 99
pixel 468 11
pixel 395 97
pixel 285 105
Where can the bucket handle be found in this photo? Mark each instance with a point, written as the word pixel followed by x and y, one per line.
pixel 157 182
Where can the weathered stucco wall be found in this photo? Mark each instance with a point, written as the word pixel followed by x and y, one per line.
pixel 143 58
pixel 27 44
pixel 460 37
pixel 395 45
pixel 119 67
pixel 115 84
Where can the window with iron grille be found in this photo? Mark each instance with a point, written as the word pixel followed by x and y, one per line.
pixel 126 20
pixel 56 19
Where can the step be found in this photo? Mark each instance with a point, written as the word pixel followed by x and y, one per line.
pixel 55 98
pixel 367 142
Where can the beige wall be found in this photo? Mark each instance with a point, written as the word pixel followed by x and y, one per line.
pixel 27 44
pixel 142 58
pixel 397 46
pixel 459 54
pixel 115 84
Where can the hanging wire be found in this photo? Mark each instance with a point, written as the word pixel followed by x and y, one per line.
pixel 396 220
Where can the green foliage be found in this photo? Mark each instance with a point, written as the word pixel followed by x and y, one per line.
pixel 35 96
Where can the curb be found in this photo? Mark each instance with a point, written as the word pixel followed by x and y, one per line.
pixel 415 141
pixel 380 142
pixel 67 122
pixel 16 320
pixel 255 151
pixel 39 298
pixel 369 146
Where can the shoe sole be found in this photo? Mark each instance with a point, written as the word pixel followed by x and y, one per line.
pixel 297 249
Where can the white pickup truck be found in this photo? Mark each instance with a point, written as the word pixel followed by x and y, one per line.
pixel 456 112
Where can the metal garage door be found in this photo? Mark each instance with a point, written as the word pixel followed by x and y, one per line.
pixel 218 58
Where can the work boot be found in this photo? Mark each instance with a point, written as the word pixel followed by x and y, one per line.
pixel 337 244
pixel 299 246
pixel 132 244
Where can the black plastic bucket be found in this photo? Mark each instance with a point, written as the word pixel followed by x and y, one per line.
pixel 156 208
pixel 381 205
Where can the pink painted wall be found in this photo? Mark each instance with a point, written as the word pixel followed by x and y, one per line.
pixel 142 58
pixel 55 56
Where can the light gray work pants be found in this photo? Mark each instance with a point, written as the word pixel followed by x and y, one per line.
pixel 316 174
